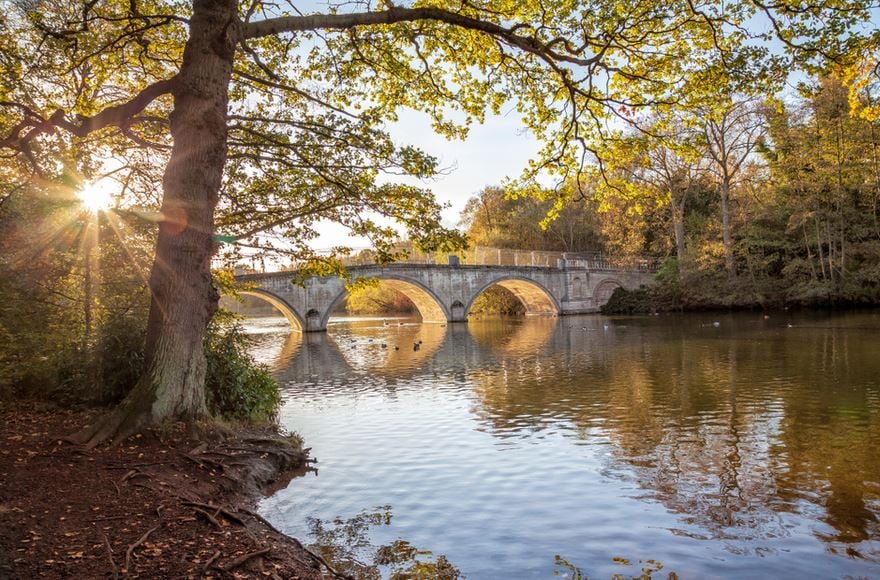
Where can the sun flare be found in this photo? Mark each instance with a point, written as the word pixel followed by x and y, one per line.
pixel 96 197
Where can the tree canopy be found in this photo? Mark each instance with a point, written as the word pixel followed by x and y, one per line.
pixel 310 95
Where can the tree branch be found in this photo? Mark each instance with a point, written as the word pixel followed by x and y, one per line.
pixel 114 116
pixel 396 15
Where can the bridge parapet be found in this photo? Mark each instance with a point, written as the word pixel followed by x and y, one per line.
pixel 485 256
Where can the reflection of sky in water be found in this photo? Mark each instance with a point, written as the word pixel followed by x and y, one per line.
pixel 747 448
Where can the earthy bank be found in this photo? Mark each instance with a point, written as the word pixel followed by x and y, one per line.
pixel 162 504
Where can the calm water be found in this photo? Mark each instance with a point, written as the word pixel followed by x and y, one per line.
pixel 711 445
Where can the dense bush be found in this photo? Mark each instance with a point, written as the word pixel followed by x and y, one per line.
pixel 118 357
pixel 237 387
pixel 625 301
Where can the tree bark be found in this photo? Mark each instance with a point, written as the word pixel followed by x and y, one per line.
pixel 88 248
pixel 183 296
pixel 809 253
pixel 726 237
pixel 832 259
pixel 678 229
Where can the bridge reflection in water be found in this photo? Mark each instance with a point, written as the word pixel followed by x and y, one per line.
pixel 743 449
pixel 394 347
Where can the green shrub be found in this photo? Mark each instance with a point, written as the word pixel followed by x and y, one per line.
pixel 119 357
pixel 236 386
pixel 625 301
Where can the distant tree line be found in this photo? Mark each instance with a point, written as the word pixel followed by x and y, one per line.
pixel 759 203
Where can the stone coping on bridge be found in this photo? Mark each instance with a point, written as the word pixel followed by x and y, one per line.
pixel 481 256
pixel 409 265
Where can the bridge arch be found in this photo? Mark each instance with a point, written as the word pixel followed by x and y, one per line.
pixel 604 290
pixel 292 316
pixel 536 298
pixel 430 307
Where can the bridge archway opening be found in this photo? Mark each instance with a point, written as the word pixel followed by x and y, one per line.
pixel 535 299
pixel 604 291
pixel 280 306
pixel 424 303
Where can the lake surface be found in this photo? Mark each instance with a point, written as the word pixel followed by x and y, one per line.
pixel 710 445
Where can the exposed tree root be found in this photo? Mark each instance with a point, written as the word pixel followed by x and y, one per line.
pixel 131 548
pixel 135 412
pixel 241 560
pixel 110 556
pixel 208 517
pixel 133 473
pixel 210 562
pixel 219 509
pixel 204 462
pixel 131 415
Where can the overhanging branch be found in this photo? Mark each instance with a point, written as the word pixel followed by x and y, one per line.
pixel 115 116
pixel 396 15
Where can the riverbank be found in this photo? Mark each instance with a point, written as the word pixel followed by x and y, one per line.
pixel 660 298
pixel 163 504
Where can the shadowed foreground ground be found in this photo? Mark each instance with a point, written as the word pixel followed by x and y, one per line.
pixel 156 506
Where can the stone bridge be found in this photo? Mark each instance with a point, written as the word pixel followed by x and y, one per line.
pixel 445 293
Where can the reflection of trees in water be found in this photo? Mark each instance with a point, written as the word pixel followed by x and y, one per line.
pixel 731 434
pixel 682 433
pixel 506 337
pixel 830 436
pixel 346 544
pixel 647 569
pixel 741 457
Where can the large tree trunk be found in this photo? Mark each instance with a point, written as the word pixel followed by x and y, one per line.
pixel 678 230
pixel 183 296
pixel 726 237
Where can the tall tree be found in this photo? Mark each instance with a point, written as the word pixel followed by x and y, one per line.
pixel 823 161
pixel 861 75
pixel 731 136
pixel 270 119
pixel 670 167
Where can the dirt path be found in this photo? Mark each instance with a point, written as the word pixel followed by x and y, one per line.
pixel 154 507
